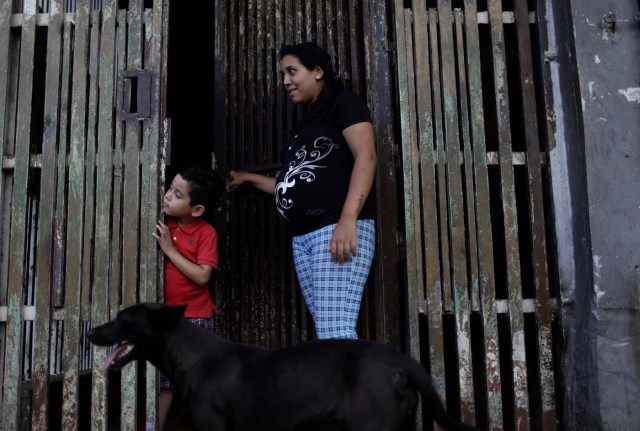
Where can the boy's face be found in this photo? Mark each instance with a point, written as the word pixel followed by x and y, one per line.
pixel 177 201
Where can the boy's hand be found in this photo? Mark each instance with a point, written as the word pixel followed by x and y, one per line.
pixel 163 237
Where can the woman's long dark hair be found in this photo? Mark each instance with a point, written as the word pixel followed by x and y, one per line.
pixel 311 55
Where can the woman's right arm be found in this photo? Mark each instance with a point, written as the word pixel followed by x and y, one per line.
pixel 260 182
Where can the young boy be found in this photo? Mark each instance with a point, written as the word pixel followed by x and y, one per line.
pixel 190 246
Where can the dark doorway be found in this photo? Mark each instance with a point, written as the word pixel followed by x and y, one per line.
pixel 190 84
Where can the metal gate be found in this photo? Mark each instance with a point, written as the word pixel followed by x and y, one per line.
pixel 474 177
pixel 81 144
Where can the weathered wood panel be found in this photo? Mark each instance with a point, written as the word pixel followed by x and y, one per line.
pixel 75 217
pixel 13 353
pixel 486 278
pixel 461 86
pixel 101 286
pixel 44 266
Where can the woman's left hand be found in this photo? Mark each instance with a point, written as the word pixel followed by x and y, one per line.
pixel 343 241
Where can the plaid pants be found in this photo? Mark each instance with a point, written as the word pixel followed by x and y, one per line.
pixel 333 291
pixel 203 322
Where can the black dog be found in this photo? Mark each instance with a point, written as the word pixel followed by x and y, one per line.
pixel 323 385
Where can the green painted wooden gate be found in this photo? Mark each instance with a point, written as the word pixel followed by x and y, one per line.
pixel 81 144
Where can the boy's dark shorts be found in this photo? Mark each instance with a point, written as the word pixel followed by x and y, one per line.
pixel 203 322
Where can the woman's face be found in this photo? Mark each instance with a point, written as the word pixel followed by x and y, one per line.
pixel 302 85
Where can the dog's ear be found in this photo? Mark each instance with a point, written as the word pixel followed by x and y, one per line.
pixel 170 315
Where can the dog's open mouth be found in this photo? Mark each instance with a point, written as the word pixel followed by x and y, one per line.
pixel 120 356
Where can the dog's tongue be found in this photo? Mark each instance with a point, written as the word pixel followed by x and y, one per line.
pixel 113 356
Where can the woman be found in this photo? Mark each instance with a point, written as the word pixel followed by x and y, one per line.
pixel 322 191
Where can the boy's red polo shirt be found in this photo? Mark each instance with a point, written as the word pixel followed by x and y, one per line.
pixel 198 242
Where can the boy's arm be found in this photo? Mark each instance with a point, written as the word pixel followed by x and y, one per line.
pixel 199 274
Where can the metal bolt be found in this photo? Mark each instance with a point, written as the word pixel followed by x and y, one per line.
pixel 610 21
pixel 636 16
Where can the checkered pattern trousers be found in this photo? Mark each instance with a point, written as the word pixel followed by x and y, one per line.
pixel 203 322
pixel 332 290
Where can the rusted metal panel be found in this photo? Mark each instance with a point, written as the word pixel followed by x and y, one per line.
pixel 510 216
pixel 102 246
pixel 486 278
pixel 15 287
pixel 377 69
pixel 44 261
pixel 536 214
pixel 76 198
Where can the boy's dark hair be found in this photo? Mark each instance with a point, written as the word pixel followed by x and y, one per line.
pixel 206 186
pixel 311 55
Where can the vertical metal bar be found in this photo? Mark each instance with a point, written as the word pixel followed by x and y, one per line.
pixel 510 217
pixel 74 262
pixel 45 222
pixel 486 276
pixel 536 214
pixel 17 252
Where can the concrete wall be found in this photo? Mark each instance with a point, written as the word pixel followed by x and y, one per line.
pixel 596 94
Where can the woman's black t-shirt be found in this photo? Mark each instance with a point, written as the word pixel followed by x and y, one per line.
pixel 316 170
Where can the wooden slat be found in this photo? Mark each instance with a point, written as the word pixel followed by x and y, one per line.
pixel 411 191
pixel 536 214
pixel 90 167
pixel 116 297
pixel 510 217
pixel 456 210
pixel 44 263
pixel 131 209
pixel 467 161
pixel 486 278
pixel 433 294
pixel 152 198
pixel 76 190
pixel 14 328
pixel 356 26
pixel 102 251
pixel 60 218
pixel 5 37
pixel 443 216
pixel 407 175
pixel 7 123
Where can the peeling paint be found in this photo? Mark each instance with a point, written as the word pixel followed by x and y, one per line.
pixel 632 94
pixel 597 59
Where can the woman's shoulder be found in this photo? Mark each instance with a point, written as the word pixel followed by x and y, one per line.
pixel 350 109
pixel 348 97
